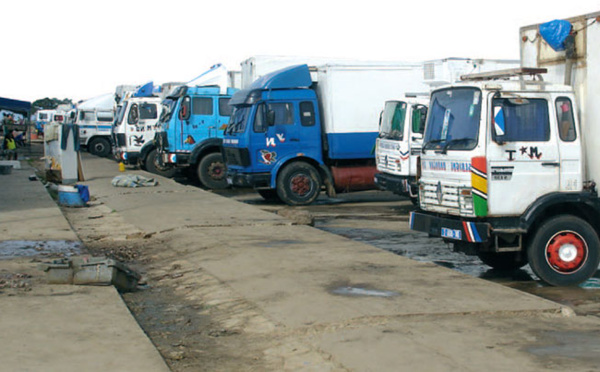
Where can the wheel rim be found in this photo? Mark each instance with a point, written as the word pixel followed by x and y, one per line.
pixel 301 184
pixel 566 252
pixel 216 171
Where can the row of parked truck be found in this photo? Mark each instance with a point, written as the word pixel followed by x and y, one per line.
pixel 497 155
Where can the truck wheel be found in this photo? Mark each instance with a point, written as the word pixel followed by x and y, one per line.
pixel 503 261
pixel 153 166
pixel 212 171
pixel 269 195
pixel 298 183
pixel 100 147
pixel 564 251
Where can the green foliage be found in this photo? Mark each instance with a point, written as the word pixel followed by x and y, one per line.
pixel 48 104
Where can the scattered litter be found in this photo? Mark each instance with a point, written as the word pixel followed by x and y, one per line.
pixel 133 180
pixel 91 271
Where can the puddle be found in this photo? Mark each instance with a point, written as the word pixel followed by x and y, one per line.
pixel 360 292
pixel 27 248
pixel 576 345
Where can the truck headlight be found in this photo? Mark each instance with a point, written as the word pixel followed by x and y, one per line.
pixel 465 201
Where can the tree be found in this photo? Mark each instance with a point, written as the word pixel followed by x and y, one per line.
pixel 48 104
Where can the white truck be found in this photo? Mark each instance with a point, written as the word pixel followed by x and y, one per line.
pixel 403 122
pixel 509 167
pixel 94 118
pixel 134 129
pixel 135 125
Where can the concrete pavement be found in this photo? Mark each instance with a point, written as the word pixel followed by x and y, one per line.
pixel 306 299
pixel 53 327
pixel 350 303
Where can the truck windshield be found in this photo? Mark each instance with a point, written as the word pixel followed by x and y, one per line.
pixel 392 120
pixel 453 121
pixel 238 119
pixel 168 105
pixel 121 113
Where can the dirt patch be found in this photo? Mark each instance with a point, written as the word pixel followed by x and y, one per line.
pixel 195 321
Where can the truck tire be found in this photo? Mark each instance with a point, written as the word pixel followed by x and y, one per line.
pixel 100 147
pixel 153 166
pixel 269 195
pixel 298 183
pixel 564 251
pixel 503 261
pixel 212 171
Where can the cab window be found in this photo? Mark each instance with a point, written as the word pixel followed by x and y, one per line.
pixel 148 111
pixel 284 113
pixel 202 106
pixel 520 119
pixel 565 119
pixel 307 114
pixel 260 124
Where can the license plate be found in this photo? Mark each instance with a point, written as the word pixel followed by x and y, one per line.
pixel 451 234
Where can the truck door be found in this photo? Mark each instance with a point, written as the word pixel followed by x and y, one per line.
pixel 274 133
pixel 569 146
pixel 148 113
pixel 201 124
pixel 223 113
pixel 415 135
pixel 523 157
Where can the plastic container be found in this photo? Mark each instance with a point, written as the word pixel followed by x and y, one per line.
pixel 69 196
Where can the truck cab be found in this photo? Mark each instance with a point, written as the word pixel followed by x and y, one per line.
pixel 276 121
pixel 191 133
pixel 502 176
pixel 399 145
pixel 134 128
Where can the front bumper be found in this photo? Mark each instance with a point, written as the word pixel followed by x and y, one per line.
pixel 449 228
pixel 128 158
pixel 249 180
pixel 396 184
pixel 175 159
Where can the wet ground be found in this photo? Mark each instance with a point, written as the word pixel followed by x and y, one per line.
pixel 381 219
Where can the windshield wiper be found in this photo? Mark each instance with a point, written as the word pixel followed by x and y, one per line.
pixel 453 142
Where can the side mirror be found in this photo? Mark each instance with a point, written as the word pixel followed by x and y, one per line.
pixel 270 118
pixel 185 109
pixel 134 115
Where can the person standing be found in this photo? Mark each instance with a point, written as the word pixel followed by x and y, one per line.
pixel 10 147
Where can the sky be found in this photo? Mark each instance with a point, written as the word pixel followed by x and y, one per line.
pixel 85 48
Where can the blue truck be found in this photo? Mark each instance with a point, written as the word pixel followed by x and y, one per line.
pixel 299 129
pixel 191 133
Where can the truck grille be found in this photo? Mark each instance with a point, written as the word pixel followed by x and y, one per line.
pixel 121 140
pixel 236 156
pixel 389 163
pixel 439 197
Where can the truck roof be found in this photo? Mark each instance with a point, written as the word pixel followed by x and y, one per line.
pixel 511 85
pixel 571 19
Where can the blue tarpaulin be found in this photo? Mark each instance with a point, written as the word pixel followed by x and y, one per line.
pixel 13 105
pixel 555 32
